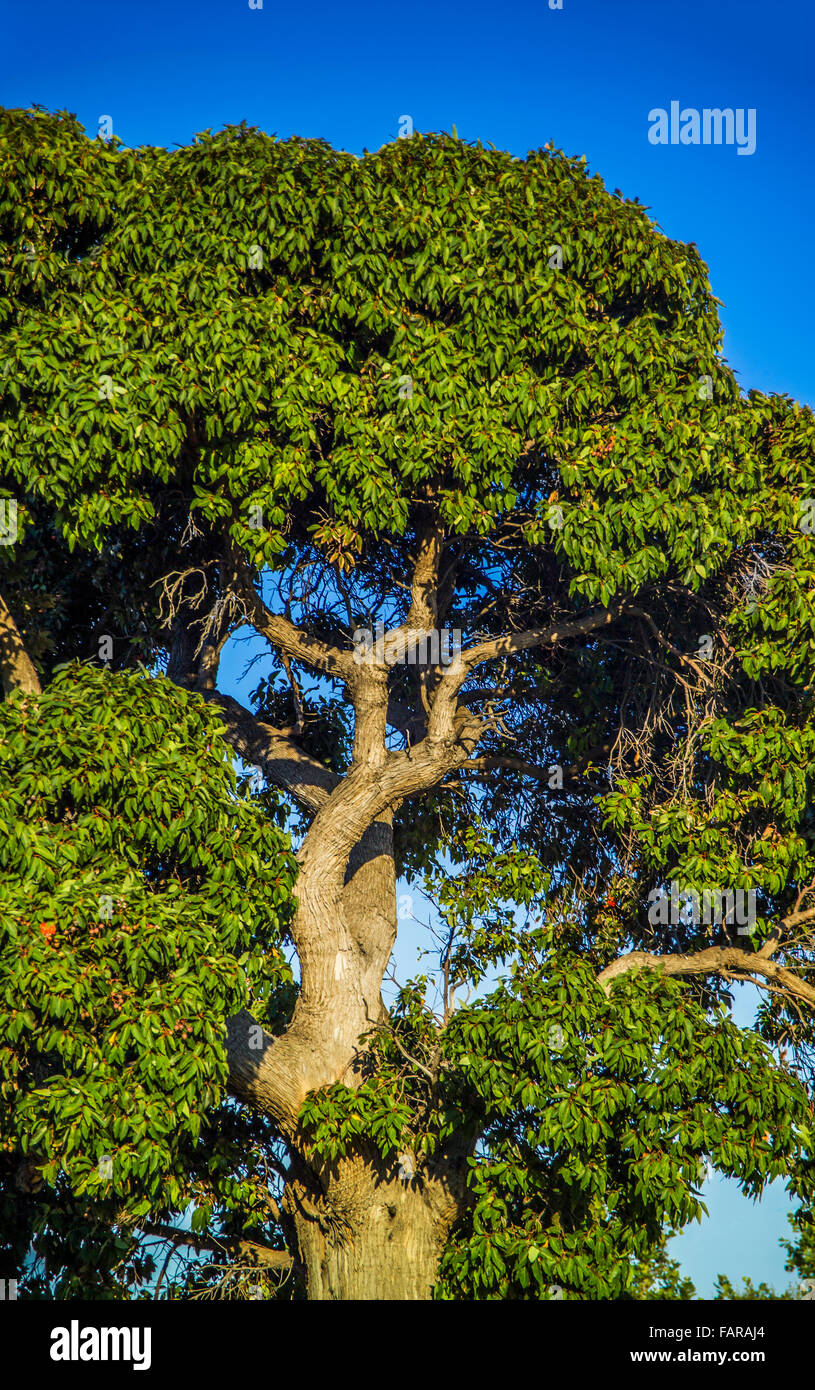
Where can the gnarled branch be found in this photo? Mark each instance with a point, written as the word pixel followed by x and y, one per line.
pixel 721 960
pixel 442 715
pixel 272 750
pixel 250 1250
pixel 288 639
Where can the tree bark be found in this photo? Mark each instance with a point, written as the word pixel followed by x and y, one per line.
pixel 367 1234
pixel 16 667
pixel 362 1230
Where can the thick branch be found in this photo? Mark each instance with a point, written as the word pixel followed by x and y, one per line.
pixel 250 1250
pixel 369 693
pixel 343 936
pixel 424 599
pixel 720 960
pixel 411 638
pixel 291 640
pixel 540 636
pixel 442 716
pixel 496 764
pixel 213 644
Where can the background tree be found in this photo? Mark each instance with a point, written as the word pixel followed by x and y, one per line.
pixel 266 385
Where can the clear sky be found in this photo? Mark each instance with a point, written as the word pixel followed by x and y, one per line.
pixel 515 75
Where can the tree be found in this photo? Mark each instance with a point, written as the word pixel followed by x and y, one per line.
pixel 357 407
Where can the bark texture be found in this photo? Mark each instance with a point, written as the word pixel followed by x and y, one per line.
pixel 370 1235
pixel 16 667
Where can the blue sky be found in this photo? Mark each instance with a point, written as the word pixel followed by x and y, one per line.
pixel 516 76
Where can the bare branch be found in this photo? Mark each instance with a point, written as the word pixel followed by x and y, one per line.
pixel 721 960
pixel 500 764
pixel 442 717
pixel 252 1250
pixel 272 750
pixel 540 636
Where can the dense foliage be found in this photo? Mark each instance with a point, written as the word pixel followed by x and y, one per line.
pixel 269 365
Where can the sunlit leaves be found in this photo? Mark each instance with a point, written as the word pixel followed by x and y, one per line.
pixel 142 904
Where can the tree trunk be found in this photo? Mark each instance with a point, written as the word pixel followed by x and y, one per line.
pixel 364 1233
pixel 16 667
